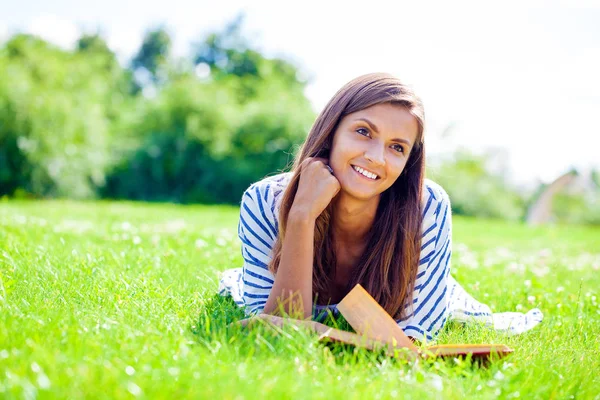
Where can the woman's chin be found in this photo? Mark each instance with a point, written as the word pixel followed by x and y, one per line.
pixel 359 187
pixel 359 193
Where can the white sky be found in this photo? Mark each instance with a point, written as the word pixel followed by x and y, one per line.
pixel 520 77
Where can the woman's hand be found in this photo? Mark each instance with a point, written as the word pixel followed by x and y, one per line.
pixel 316 188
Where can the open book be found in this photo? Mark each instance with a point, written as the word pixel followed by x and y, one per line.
pixel 376 329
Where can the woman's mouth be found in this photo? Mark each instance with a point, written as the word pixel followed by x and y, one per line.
pixel 364 173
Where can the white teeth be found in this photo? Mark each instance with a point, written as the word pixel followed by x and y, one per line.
pixel 365 173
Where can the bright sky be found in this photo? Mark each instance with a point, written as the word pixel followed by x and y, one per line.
pixel 520 78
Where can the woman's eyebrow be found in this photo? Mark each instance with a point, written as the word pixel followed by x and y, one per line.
pixel 374 127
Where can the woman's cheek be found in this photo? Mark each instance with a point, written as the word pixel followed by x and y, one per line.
pixel 397 167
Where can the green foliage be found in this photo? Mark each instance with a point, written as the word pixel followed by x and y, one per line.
pixel 474 190
pixel 200 143
pixel 596 178
pixel 577 208
pixel 181 132
pixel 69 119
pixel 207 140
pixel 96 51
pixel 154 53
pixel 227 52
pixel 230 57
pixel 58 113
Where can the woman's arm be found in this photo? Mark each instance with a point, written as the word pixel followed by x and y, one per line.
pixel 292 288
pixel 257 232
pixel 293 282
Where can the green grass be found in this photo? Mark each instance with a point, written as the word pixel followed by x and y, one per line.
pixel 116 300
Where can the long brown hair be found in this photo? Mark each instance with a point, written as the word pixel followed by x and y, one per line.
pixel 388 267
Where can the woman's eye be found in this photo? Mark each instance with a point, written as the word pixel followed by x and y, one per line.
pixel 363 131
pixel 398 148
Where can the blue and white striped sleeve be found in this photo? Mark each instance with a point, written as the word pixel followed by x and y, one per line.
pixel 431 297
pixel 257 230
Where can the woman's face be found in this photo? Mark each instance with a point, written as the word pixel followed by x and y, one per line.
pixel 376 141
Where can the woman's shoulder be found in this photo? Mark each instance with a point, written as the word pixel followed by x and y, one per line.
pixel 268 191
pixel 433 194
pixel 434 189
pixel 273 182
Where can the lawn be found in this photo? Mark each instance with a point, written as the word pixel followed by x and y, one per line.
pixel 116 300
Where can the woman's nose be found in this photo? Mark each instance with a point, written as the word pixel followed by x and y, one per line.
pixel 375 154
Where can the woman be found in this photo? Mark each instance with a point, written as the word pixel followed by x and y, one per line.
pixel 356 209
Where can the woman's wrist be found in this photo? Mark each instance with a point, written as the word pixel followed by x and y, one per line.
pixel 300 215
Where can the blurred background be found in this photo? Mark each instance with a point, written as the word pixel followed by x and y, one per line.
pixel 192 101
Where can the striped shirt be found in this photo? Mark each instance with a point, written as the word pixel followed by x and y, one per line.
pixel 258 230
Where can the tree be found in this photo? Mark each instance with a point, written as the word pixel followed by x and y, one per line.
pixel 70 124
pixel 473 189
pixel 58 113
pixel 95 49
pixel 153 54
pixel 208 140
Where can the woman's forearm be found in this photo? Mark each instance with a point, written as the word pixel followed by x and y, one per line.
pixel 292 289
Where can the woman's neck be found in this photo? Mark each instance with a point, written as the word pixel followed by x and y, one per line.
pixel 352 219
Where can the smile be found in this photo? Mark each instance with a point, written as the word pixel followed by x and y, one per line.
pixel 365 173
